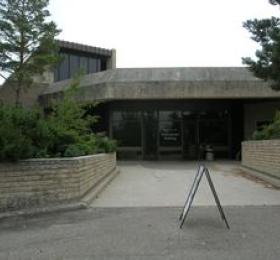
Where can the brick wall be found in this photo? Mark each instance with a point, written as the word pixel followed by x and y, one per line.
pixel 263 156
pixel 40 182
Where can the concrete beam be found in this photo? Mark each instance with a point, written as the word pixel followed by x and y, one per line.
pixel 181 83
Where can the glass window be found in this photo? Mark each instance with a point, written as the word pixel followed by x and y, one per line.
pixel 261 124
pixel 126 128
pixel 56 73
pixel 127 132
pixel 213 114
pixel 213 132
pixel 189 115
pixel 92 65
pixel 98 65
pixel 170 133
pixel 123 115
pixel 64 67
pixel 84 64
pixel 74 65
pixel 103 64
pixel 169 115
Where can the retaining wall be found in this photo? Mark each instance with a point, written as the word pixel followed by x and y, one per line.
pixel 263 157
pixel 42 182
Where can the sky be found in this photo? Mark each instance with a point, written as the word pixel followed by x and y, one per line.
pixel 163 33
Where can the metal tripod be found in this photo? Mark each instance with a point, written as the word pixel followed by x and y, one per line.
pixel 202 170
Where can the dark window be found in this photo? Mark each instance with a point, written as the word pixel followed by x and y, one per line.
pixel 84 65
pixel 103 65
pixel 127 133
pixel 170 133
pixel 56 73
pixel 122 115
pixel 64 67
pixel 126 128
pixel 261 124
pixel 169 115
pixel 213 132
pixel 92 65
pixel 170 128
pixel 213 114
pixel 74 65
pixel 98 65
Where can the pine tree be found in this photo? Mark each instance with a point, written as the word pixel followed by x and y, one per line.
pixel 266 32
pixel 274 2
pixel 27 44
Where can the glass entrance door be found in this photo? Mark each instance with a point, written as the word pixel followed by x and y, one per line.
pixel 202 130
pixel 190 136
pixel 216 134
pixel 150 135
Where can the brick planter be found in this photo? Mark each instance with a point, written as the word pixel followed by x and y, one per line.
pixel 43 182
pixel 263 157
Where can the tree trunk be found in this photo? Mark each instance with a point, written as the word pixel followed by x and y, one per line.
pixel 18 92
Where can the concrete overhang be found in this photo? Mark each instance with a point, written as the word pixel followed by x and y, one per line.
pixel 167 83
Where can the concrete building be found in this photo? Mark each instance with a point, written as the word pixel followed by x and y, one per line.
pixel 163 113
pixel 76 58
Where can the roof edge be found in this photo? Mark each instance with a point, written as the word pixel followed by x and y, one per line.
pixel 84 48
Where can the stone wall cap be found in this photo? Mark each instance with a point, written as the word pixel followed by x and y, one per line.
pixel 65 158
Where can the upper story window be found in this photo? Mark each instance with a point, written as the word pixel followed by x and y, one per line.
pixel 73 63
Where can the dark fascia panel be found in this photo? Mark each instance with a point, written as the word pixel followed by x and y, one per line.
pixel 84 48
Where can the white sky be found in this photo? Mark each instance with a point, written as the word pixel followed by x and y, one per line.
pixel 163 33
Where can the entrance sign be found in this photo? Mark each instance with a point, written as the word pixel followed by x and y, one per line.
pixel 202 170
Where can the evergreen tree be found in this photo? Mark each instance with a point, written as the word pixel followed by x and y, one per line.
pixel 275 2
pixel 27 44
pixel 266 32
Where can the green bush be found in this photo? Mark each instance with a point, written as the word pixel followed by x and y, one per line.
pixel 74 150
pixel 66 131
pixel 86 146
pixel 16 132
pixel 271 131
pixel 106 144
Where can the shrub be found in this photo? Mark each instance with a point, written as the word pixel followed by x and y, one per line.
pixel 65 132
pixel 74 150
pixel 271 131
pixel 21 133
pixel 106 144
pixel 26 133
pixel 86 147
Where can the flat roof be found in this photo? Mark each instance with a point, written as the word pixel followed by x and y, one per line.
pixel 84 48
pixel 178 74
pixel 169 83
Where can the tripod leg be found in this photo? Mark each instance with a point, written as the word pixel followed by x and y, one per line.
pixel 190 197
pixel 195 179
pixel 223 216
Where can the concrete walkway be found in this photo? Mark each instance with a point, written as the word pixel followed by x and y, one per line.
pixel 165 184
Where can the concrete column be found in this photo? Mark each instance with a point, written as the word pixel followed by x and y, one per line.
pixel 112 62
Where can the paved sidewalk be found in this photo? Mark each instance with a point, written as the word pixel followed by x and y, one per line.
pixel 165 184
pixel 144 234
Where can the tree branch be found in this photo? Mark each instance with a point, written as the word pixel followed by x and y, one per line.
pixel 1 75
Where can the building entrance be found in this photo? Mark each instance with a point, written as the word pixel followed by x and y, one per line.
pixel 191 139
pixel 150 135
pixel 157 133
